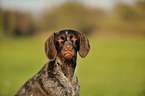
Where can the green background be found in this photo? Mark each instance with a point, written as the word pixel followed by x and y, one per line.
pixel 114 66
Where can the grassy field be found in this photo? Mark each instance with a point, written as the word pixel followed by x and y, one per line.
pixel 114 67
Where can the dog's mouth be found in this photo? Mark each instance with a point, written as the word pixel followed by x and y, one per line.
pixel 66 54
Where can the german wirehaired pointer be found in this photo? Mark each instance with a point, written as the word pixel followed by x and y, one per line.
pixel 57 77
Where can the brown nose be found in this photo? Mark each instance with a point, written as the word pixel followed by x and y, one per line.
pixel 68 46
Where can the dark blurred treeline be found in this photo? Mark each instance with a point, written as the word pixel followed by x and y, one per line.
pixel 15 23
pixel 124 18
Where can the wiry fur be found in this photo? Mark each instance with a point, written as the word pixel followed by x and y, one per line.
pixel 51 81
pixel 57 77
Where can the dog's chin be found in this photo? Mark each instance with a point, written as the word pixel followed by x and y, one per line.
pixel 68 56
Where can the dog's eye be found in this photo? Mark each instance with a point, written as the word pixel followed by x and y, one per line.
pixel 71 36
pixel 62 37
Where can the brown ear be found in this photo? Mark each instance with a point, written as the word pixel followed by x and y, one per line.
pixel 50 49
pixel 84 45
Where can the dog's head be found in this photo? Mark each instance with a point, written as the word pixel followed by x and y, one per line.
pixel 65 44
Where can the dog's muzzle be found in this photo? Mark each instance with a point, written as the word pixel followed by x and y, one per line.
pixel 68 49
pixel 68 46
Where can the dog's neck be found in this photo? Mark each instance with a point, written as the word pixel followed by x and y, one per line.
pixel 67 67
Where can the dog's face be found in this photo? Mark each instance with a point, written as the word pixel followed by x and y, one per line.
pixel 65 44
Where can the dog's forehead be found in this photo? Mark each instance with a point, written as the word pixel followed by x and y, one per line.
pixel 67 32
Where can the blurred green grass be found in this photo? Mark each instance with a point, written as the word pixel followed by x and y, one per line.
pixel 114 67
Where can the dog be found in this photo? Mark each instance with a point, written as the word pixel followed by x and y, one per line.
pixel 57 77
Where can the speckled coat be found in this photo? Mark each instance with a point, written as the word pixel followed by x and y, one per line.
pixel 51 80
pixel 57 77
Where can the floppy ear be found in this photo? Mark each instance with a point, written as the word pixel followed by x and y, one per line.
pixel 84 45
pixel 50 49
